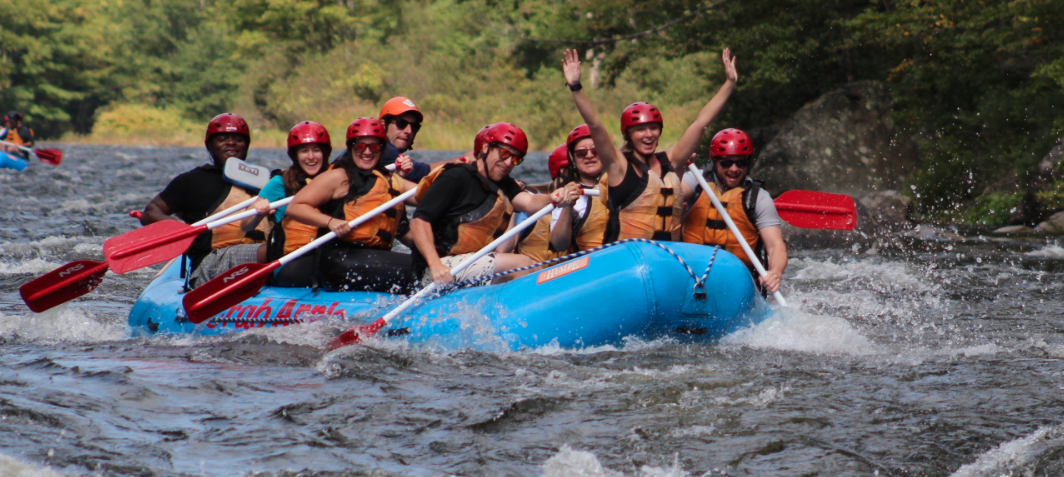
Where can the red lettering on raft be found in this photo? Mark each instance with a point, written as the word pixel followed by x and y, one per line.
pixel 562 270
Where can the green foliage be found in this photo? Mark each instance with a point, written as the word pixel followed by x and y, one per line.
pixel 1052 197
pixel 992 209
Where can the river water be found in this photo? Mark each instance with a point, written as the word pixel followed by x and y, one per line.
pixel 929 357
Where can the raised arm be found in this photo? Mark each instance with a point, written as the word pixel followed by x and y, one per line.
pixel 613 161
pixel 679 153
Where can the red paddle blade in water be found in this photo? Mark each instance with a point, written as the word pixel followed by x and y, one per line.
pixel 354 335
pixel 149 245
pixel 62 284
pixel 817 210
pixel 50 156
pixel 234 286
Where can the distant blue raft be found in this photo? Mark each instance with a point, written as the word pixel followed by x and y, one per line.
pixel 636 288
pixel 11 161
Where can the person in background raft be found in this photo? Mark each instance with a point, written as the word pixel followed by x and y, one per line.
pixel 580 225
pixel 16 133
pixel 466 206
pixel 644 191
pixel 746 202
pixel 402 120
pixel 361 258
pixel 203 191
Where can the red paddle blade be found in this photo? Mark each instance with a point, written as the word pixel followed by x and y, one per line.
pixel 817 210
pixel 354 335
pixel 234 286
pixel 149 245
pixel 62 284
pixel 50 156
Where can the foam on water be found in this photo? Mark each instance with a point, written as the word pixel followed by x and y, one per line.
pixel 1052 250
pixel 36 266
pixel 12 467
pixel 1016 457
pixel 573 463
pixel 62 324
pixel 793 330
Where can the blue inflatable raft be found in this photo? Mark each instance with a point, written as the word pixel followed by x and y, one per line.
pixel 11 161
pixel 634 288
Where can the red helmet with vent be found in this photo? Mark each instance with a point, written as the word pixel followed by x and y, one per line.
pixel 227 123
pixel 481 139
pixel 365 127
pixel 309 132
pixel 640 113
pixel 508 134
pixel 577 134
pixel 731 142
pixel 557 160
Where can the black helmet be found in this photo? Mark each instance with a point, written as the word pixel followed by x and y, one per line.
pixel 14 116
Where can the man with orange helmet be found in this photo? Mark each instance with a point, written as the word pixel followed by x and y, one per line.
pixel 196 194
pixel 465 206
pixel 748 205
pixel 402 120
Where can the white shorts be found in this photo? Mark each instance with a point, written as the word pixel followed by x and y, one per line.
pixel 483 267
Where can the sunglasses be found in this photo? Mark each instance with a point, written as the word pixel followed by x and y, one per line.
pixel 505 154
pixel 727 163
pixel 361 147
pixel 582 153
pixel 402 124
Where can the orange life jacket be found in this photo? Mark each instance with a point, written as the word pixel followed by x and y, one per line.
pixel 378 232
pixel 656 213
pixel 703 224
pixel 537 244
pixel 230 234
pixel 13 136
pixel 590 230
pixel 473 230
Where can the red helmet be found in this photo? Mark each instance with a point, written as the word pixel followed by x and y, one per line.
pixel 309 132
pixel 365 127
pixel 731 142
pixel 557 160
pixel 639 113
pixel 481 139
pixel 508 134
pixel 227 123
pixel 399 106
pixel 577 134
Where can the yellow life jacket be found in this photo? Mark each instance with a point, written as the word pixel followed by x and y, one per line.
pixel 14 138
pixel 703 224
pixel 230 234
pixel 378 232
pixel 656 213
pixel 590 231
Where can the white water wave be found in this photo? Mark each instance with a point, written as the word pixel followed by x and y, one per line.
pixel 573 463
pixel 12 467
pixel 1053 250
pixel 1016 457
pixel 792 330
pixel 62 324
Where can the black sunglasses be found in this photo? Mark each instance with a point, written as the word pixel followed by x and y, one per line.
pixel 727 163
pixel 402 124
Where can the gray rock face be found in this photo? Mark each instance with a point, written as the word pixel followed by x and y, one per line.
pixel 1053 225
pixel 841 143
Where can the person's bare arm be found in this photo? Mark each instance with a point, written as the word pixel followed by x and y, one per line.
pixel 613 161
pixel 304 206
pixel 683 149
pixel 157 210
pixel 772 237
pixel 562 234
pixel 262 209
pixel 421 230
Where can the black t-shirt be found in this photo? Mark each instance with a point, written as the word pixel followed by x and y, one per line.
pixel 458 190
pixel 192 196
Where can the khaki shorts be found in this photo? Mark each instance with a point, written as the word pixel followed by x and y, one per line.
pixel 483 267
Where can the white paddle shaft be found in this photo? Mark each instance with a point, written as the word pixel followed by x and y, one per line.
pixel 248 213
pixel 734 230
pixel 20 146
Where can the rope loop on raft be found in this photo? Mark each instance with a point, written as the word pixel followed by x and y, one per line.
pixel 699 289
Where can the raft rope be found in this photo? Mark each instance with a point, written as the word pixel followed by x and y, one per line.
pixel 699 288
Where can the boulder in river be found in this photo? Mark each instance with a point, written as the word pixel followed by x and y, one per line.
pixel 844 142
pixel 1053 225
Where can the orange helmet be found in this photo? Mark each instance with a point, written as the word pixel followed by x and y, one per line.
pixel 399 106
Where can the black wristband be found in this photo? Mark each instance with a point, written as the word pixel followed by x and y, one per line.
pixel 575 87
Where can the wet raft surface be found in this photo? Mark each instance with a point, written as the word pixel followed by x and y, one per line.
pixel 939 357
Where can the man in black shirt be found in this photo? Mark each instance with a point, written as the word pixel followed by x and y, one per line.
pixel 203 191
pixel 469 205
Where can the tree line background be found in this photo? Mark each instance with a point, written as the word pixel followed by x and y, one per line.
pixel 978 86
